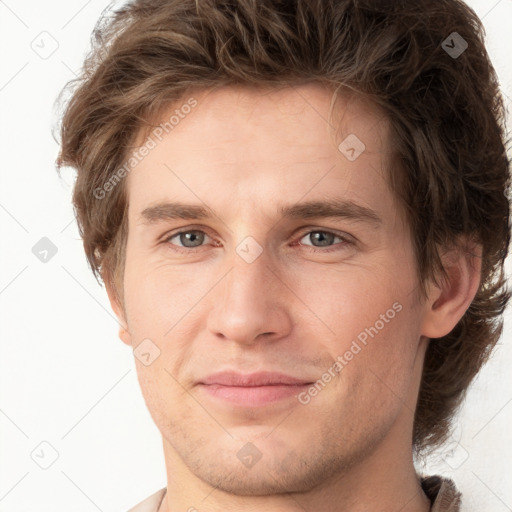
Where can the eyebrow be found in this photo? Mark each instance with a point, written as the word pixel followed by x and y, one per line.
pixel 334 208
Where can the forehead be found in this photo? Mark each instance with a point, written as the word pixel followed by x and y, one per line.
pixel 248 139
pixel 240 109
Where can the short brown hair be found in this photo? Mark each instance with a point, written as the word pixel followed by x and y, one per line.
pixel 446 115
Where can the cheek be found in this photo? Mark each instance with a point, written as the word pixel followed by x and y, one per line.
pixel 384 369
pixel 338 302
pixel 377 375
pixel 376 322
pixel 351 299
pixel 159 295
pixel 160 393
pixel 169 307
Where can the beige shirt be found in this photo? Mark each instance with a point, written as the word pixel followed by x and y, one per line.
pixel 441 492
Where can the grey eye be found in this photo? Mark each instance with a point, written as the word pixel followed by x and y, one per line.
pixel 320 238
pixel 189 238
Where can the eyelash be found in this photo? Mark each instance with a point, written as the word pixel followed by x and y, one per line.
pixel 344 241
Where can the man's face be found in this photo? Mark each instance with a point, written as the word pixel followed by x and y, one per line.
pixel 250 290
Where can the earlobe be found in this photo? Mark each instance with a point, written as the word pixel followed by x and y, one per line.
pixel 124 334
pixel 447 302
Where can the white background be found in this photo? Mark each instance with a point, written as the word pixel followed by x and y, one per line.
pixel 66 378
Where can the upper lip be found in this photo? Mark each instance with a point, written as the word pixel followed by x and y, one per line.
pixel 228 378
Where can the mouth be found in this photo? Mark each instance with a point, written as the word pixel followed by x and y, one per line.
pixel 252 390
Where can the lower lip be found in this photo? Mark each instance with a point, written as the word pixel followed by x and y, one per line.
pixel 253 396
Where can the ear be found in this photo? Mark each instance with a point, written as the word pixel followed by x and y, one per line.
pixel 447 303
pixel 118 309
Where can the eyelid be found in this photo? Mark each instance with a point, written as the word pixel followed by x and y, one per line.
pixel 341 234
pixel 171 234
pixel 345 237
pixel 185 229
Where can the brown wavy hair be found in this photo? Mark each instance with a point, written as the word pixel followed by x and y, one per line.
pixel 446 115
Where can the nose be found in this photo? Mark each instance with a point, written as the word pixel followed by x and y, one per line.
pixel 251 303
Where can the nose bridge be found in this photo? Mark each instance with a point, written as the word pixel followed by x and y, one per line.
pixel 249 301
pixel 248 282
pixel 251 257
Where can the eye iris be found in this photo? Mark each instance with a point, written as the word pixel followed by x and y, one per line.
pixel 192 236
pixel 196 238
pixel 322 237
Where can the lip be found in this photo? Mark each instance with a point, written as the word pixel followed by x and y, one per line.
pixel 252 390
pixel 264 378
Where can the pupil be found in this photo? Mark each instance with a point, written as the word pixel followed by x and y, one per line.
pixel 191 236
pixel 325 238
